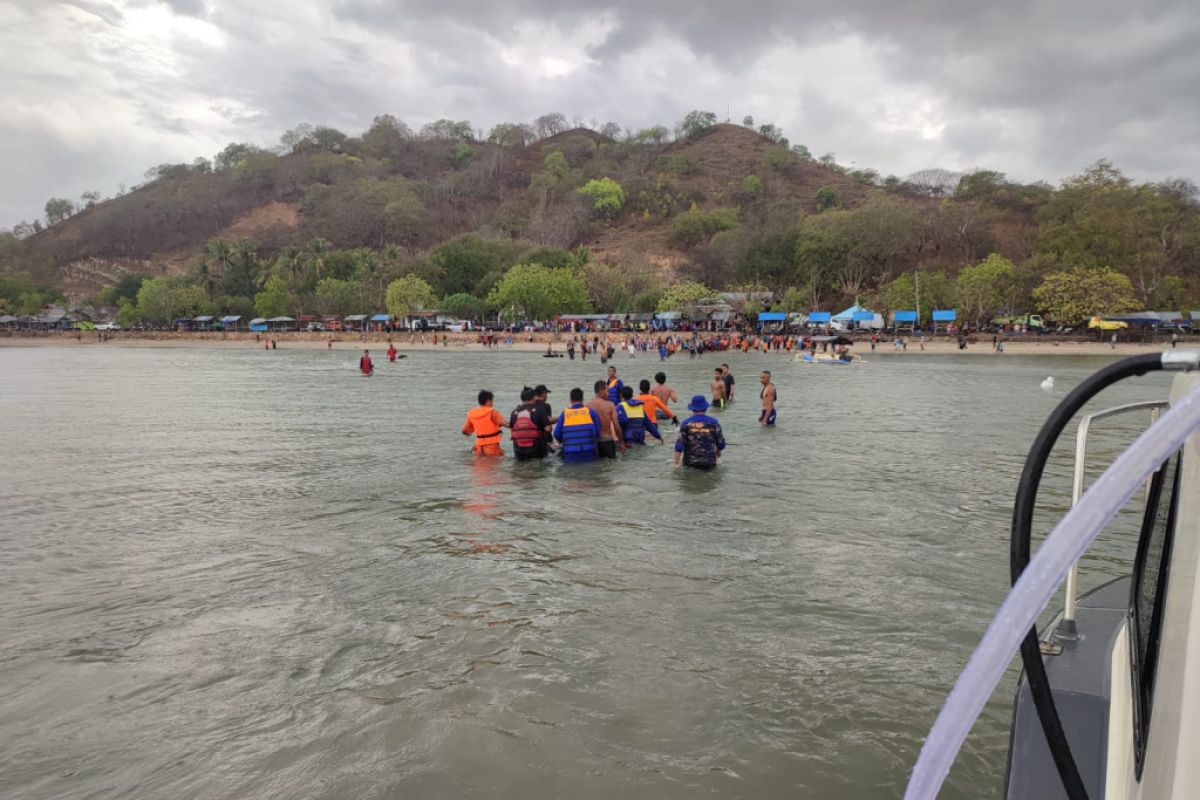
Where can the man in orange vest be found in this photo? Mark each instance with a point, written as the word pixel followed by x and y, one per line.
pixel 485 422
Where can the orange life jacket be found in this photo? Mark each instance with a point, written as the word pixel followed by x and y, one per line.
pixel 482 420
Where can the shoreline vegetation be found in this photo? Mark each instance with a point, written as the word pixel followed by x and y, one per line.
pixel 470 342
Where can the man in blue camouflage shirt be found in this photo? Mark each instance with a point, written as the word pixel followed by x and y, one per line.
pixel 700 439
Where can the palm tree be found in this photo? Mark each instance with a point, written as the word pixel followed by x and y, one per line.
pixel 218 251
pixel 317 251
pixel 289 262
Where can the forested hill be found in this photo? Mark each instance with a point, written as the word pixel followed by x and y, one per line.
pixel 720 204
pixel 416 192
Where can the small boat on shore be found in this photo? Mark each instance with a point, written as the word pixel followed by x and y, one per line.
pixel 841 353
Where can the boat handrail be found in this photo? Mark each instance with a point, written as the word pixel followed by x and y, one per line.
pixel 1037 583
pixel 1066 629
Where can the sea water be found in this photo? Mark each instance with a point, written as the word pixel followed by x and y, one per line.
pixel 246 573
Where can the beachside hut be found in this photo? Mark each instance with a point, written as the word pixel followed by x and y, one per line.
pixel 904 319
pixel 774 319
pixel 381 322
pixel 183 324
pixel 8 322
pixel 233 322
pixel 282 323
pixel 1195 318
pixel 355 322
pixel 666 320
pixel 857 316
pixel 1171 319
pixel 942 319
pixel 259 325
pixel 203 322
pixel 306 322
pixel 52 318
pixel 818 319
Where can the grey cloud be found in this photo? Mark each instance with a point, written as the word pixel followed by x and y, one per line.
pixel 1035 89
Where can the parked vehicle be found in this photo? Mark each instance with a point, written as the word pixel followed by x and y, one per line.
pixel 108 326
pixel 1030 322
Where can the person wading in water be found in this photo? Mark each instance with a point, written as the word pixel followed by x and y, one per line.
pixel 609 437
pixel 768 395
pixel 485 422
pixel 700 439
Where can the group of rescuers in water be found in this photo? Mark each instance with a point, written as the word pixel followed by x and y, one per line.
pixel 613 420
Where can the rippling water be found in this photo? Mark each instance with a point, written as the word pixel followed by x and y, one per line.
pixel 238 573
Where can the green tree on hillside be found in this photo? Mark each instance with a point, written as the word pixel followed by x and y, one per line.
pixel 694 226
pixel 275 300
pixel 154 300
pixel 387 138
pixel 1072 296
pixel 822 251
pixel 984 288
pixel 333 296
pixel 447 129
pixel 58 209
pixel 190 300
pixel 534 292
pixel 606 194
pixel 464 306
pixel 937 291
pixel 828 197
pixel 696 123
pixel 683 295
pixel 465 260
pixel 408 294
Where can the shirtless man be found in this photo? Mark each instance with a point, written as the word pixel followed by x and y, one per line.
pixel 718 388
pixel 611 437
pixel 662 390
pixel 768 395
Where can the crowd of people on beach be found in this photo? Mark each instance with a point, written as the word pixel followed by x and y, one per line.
pixel 694 344
pixel 615 419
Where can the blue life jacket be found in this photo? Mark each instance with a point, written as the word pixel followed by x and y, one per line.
pixel 614 391
pixel 578 432
pixel 632 416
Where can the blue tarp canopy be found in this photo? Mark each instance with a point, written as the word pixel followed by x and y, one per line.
pixel 381 318
pixel 818 317
pixel 182 321
pixel 945 315
pixel 1138 318
pixel 258 324
pixel 848 314
pixel 863 316
pixel 904 316
pixel 771 316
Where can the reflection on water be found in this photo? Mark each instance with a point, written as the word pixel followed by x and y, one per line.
pixel 249 574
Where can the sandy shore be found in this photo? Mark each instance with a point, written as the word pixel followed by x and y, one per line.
pixel 470 342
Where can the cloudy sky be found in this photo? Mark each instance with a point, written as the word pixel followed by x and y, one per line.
pixel 95 91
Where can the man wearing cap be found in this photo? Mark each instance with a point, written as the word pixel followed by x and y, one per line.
pixel 541 401
pixel 700 439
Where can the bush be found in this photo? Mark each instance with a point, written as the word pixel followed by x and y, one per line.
pixel 694 226
pixel 607 196
pixel 828 197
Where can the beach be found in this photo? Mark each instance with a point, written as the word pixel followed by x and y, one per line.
pixel 537 342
